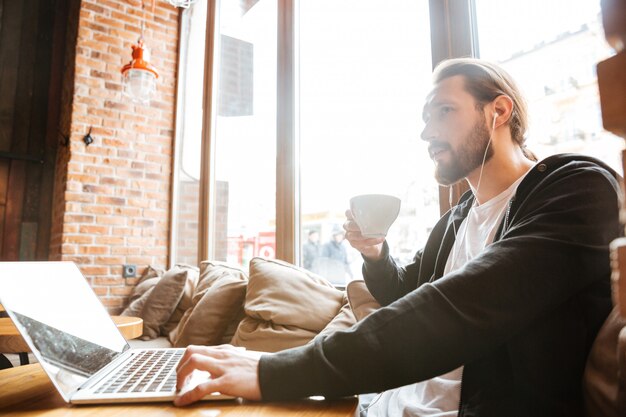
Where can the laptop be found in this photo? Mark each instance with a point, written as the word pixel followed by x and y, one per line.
pixel 78 345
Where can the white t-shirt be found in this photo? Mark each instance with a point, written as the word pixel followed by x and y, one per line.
pixel 440 396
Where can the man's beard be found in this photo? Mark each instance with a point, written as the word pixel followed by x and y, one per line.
pixel 467 157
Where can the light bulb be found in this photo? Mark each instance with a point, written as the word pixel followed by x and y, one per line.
pixel 139 85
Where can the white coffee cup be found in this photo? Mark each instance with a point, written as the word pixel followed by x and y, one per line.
pixel 374 213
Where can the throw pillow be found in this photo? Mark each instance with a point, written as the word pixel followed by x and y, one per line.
pixel 263 336
pixel 285 306
pixel 139 296
pixel 216 306
pixel 343 320
pixel 150 272
pixel 163 300
pixel 361 300
pixel 185 301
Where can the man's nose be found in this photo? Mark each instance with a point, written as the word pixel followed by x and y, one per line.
pixel 429 132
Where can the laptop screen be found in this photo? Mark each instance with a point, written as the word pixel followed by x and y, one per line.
pixel 62 320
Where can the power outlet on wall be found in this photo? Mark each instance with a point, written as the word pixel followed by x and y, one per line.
pixel 129 271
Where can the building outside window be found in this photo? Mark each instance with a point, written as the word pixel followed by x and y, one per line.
pixel 554 64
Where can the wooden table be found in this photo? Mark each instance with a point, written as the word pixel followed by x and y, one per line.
pixel 12 342
pixel 26 391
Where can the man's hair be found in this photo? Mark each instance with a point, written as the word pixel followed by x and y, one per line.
pixel 485 81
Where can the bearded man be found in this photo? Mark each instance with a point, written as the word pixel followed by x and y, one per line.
pixel 497 313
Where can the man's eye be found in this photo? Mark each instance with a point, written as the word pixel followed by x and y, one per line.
pixel 445 110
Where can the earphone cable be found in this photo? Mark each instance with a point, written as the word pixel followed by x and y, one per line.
pixel 480 177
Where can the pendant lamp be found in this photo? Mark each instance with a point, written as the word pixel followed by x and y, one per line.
pixel 139 78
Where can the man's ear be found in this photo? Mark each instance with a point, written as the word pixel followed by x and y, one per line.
pixel 502 108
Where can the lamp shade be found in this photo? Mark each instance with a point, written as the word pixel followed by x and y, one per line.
pixel 138 76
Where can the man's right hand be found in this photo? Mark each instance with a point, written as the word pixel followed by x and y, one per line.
pixel 371 248
pixel 234 371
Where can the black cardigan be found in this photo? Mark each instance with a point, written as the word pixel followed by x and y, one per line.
pixel 521 316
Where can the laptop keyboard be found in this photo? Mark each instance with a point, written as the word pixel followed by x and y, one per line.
pixel 148 371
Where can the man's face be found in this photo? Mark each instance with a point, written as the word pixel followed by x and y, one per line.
pixel 456 131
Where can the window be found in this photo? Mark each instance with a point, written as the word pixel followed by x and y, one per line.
pixel 243 186
pixel 245 132
pixel 317 100
pixel 364 70
pixel 186 198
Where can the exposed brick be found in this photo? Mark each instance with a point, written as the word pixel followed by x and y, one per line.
pixel 93 229
pixel 112 220
pixel 108 22
pixel 140 260
pixel 98 189
pixel 97 209
pixel 126 231
pixel 110 240
pixel 82 178
pixel 93 7
pixel 109 260
pixel 78 218
pixel 85 198
pixel 78 259
pixel 94 250
pixel 100 291
pixel 120 182
pixel 134 281
pixel 126 250
pixel 113 304
pixel 125 290
pixel 112 199
pixel 100 170
pixel 94 270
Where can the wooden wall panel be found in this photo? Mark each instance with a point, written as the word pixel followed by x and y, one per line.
pixel 13 215
pixel 28 129
pixel 4 186
pixel 10 34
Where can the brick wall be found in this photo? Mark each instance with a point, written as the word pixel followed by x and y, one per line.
pixel 112 198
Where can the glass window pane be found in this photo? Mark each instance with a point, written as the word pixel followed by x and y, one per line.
pixel 245 150
pixel 364 71
pixel 554 63
pixel 189 126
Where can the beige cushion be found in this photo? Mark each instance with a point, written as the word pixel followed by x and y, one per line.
pixel 361 300
pixel 343 320
pixel 141 291
pixel 213 270
pixel 150 272
pixel 264 336
pixel 164 299
pixel 216 308
pixel 185 300
pixel 139 296
pixel 285 306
